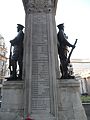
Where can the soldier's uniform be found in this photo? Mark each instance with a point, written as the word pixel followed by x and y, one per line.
pixel 62 50
pixel 17 55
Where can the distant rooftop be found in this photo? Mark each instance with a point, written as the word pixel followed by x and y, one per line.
pixel 81 67
pixel 80 60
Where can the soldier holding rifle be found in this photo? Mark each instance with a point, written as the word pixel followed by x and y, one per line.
pixel 17 55
pixel 62 51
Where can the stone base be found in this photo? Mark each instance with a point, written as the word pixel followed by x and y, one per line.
pixel 69 102
pixel 12 100
pixel 43 116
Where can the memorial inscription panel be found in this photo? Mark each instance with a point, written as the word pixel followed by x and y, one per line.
pixel 40 66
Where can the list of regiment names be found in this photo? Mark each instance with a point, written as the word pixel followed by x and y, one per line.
pixel 40 67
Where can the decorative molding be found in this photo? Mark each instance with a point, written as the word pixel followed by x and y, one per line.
pixel 33 6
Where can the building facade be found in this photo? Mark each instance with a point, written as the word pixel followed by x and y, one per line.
pixel 3 60
pixel 81 68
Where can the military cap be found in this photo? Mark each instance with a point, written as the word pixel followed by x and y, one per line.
pixel 19 25
pixel 60 25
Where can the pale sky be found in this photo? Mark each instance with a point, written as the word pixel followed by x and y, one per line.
pixel 73 13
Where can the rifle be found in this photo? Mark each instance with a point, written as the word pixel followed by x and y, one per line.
pixel 10 64
pixel 68 59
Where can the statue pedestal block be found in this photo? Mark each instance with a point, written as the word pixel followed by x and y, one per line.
pixel 12 100
pixel 69 102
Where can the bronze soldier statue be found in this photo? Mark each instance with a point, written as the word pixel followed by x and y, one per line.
pixel 62 51
pixel 17 56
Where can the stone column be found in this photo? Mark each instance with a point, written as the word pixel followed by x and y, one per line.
pixel 40 59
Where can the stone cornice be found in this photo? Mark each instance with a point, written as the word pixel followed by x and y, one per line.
pixel 38 6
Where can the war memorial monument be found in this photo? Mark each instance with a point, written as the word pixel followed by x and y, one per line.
pixel 41 94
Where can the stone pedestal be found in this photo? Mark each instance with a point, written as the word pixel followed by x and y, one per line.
pixel 12 100
pixel 69 102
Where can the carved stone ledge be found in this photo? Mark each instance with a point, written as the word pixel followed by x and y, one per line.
pixel 33 6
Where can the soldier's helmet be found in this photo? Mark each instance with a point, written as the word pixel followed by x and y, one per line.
pixel 60 25
pixel 20 26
